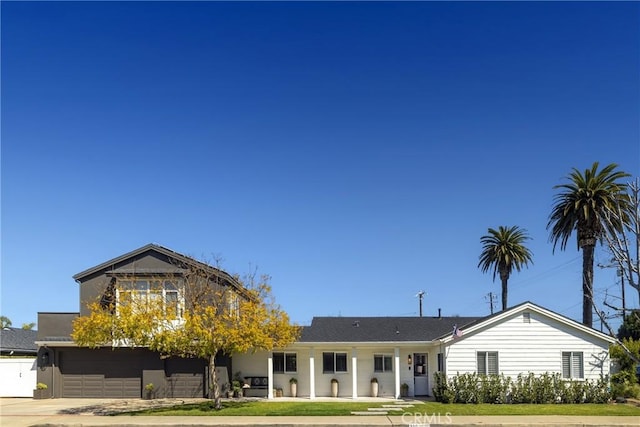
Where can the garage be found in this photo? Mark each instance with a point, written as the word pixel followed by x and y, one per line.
pixel 185 377
pixel 100 373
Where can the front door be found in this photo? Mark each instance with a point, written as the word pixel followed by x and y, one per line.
pixel 420 374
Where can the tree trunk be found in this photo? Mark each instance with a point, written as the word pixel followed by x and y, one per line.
pixel 587 285
pixel 213 392
pixel 504 278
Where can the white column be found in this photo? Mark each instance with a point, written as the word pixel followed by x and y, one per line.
pixel 396 362
pixel 312 375
pixel 354 375
pixel 270 375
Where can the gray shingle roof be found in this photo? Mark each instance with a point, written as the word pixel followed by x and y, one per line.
pixel 380 329
pixel 18 340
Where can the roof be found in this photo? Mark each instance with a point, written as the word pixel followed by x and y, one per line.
pixel 379 329
pixel 152 247
pixel 528 306
pixel 18 340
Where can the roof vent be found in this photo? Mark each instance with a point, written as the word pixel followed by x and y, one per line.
pixel 356 324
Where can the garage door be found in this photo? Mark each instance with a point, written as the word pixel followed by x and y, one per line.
pixel 185 377
pixel 100 373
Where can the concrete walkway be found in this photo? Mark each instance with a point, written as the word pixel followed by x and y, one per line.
pixel 24 412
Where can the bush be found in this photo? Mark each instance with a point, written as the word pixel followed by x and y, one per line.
pixel 527 388
pixel 41 386
pixel 442 392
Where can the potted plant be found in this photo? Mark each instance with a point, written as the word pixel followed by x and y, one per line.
pixel 237 388
pixel 148 391
pixel 334 387
pixel 41 391
pixel 404 390
pixel 374 387
pixel 293 385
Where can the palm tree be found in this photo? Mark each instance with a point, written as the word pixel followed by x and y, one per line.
pixel 586 204
pixel 503 250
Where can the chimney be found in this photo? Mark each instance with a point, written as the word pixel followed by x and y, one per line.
pixel 439 313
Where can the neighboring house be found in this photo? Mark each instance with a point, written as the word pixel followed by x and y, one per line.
pixel 17 362
pixel 121 372
pixel 408 350
pixel 18 342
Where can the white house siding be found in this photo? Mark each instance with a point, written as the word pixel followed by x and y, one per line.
pixel 528 347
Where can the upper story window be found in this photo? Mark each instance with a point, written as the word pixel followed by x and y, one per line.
pixel 148 291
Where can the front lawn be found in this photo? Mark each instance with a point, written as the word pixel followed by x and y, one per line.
pixel 263 408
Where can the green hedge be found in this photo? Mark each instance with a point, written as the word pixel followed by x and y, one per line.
pixel 528 388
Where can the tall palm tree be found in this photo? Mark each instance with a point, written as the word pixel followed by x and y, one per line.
pixel 586 204
pixel 503 250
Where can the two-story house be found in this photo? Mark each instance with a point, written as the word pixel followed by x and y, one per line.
pixel 117 371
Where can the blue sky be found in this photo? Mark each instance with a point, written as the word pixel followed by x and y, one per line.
pixel 356 152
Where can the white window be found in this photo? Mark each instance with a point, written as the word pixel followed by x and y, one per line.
pixel 143 291
pixel 572 366
pixel 285 363
pixel 382 363
pixel 334 362
pixel 487 362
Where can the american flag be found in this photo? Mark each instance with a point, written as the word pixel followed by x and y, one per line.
pixel 457 333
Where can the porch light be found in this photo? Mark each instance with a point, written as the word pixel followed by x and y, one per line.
pixel 409 360
pixel 44 359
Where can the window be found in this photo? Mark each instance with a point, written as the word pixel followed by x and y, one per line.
pixel 382 363
pixel 285 363
pixel 526 317
pixel 572 366
pixel 142 291
pixel 334 362
pixel 487 362
pixel 440 362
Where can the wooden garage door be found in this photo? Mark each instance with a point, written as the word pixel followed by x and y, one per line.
pixel 99 373
pixel 185 377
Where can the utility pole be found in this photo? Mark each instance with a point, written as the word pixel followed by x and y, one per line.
pixel 420 295
pixel 492 298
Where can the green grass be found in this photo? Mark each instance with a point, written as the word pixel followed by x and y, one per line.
pixel 262 408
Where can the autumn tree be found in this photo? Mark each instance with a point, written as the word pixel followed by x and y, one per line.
pixel 208 318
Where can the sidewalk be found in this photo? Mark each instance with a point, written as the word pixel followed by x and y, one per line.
pixel 26 412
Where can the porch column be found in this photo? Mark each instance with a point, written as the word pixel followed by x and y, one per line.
pixel 270 375
pixel 396 362
pixel 354 375
pixel 312 375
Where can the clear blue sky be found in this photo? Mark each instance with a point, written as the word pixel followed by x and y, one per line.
pixel 355 152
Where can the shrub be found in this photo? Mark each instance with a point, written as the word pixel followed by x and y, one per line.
pixel 41 386
pixel 442 392
pixel 527 388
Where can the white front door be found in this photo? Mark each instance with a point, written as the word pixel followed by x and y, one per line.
pixel 420 375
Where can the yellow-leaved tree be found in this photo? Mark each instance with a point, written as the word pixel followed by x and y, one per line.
pixel 205 317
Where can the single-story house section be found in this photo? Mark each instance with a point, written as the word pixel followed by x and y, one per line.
pixel 17 362
pixel 407 351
